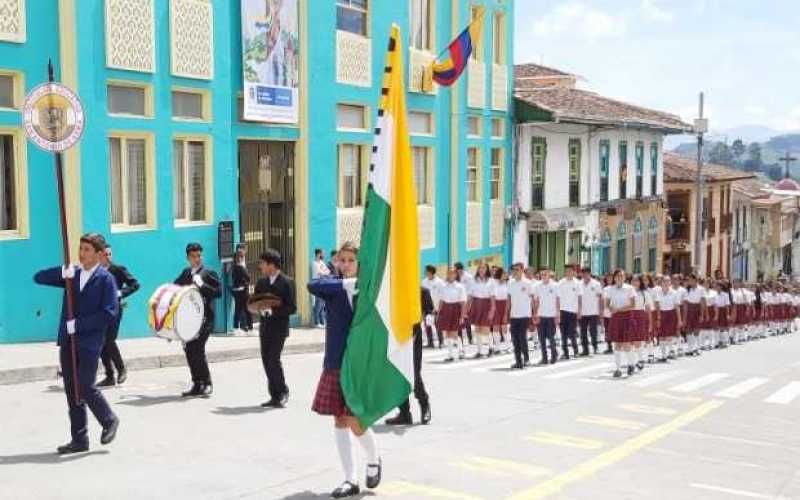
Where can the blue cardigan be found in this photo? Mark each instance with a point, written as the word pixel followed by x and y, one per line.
pixel 339 315
pixel 94 307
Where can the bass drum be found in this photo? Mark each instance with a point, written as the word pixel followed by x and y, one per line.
pixel 176 312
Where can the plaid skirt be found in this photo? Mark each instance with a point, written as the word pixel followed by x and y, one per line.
pixel 500 313
pixel 741 314
pixel 668 324
pixel 722 317
pixel 329 399
pixel 479 312
pixel 449 318
pixel 620 327
pixel 693 320
pixel 641 330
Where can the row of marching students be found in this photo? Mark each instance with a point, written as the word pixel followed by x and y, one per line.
pixel 665 317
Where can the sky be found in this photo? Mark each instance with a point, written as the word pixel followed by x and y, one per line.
pixel 744 54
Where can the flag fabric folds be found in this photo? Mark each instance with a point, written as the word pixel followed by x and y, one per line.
pixel 377 370
pixel 447 72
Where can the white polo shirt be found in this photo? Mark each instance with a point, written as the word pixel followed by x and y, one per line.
pixel 546 294
pixel 607 311
pixel 482 289
pixel 668 301
pixel 520 294
pixel 640 300
pixel 568 293
pixel 453 293
pixel 694 295
pixel 711 296
pixel 467 279
pixel 591 295
pixel 722 300
pixel 500 290
pixel 433 286
pixel 620 296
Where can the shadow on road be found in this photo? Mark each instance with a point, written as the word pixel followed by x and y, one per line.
pixel 310 495
pixel 240 410
pixel 142 400
pixel 397 430
pixel 48 458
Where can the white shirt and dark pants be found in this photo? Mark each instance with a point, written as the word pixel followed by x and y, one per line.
pixel 568 293
pixel 520 294
pixel 547 311
pixel 591 294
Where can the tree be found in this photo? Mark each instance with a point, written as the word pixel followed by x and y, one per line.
pixel 737 150
pixel 754 161
pixel 721 154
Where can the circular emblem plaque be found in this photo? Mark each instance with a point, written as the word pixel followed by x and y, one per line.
pixel 53 117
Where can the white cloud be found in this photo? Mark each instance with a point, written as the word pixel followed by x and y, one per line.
pixel 653 12
pixel 756 111
pixel 578 19
pixel 789 122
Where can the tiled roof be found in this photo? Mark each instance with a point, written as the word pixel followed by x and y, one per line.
pixel 684 169
pixel 752 188
pixel 537 71
pixel 581 106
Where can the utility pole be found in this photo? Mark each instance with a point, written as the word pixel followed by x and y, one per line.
pixel 700 127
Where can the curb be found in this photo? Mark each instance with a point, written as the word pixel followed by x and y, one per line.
pixel 50 372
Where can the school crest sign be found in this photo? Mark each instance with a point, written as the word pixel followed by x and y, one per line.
pixel 53 117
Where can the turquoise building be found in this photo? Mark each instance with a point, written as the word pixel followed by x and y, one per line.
pixel 168 153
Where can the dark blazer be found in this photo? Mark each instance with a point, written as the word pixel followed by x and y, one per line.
pixel 125 281
pixel 427 302
pixel 240 277
pixel 211 289
pixel 284 288
pixel 338 314
pixel 94 307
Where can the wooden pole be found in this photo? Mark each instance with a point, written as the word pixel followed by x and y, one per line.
pixel 65 251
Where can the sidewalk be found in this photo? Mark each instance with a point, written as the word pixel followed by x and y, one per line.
pixel 20 363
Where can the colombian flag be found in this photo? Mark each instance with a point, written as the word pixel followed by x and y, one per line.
pixel 378 368
pixel 447 72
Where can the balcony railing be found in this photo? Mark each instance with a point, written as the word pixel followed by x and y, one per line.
pixel 677 231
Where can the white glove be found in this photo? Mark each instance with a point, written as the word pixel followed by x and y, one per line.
pixel 71 327
pixel 68 272
pixel 267 312
pixel 198 281
pixel 349 285
pixel 119 294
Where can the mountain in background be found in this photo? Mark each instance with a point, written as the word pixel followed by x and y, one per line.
pixel 747 133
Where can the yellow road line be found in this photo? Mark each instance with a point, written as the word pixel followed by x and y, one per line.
pixel 397 488
pixel 515 467
pixel 612 456
pixel 672 397
pixel 564 440
pixel 648 410
pixel 467 466
pixel 612 423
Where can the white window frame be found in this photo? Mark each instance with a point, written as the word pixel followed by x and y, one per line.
pixel 148 98
pixel 205 97
pixel 362 168
pixel 366 117
pixel 499 169
pixel 430 169
pixel 20 159
pixel 208 176
pixel 150 181
pixel 18 89
pixel 479 121
pixel 499 38
pixel 431 123
pixel 431 25
pixel 365 34
pixel 502 123
pixel 478 177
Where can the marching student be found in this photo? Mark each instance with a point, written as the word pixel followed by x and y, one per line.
pixel 678 283
pixel 533 277
pixel 433 284
pixel 95 301
pixel 709 327
pixel 546 311
pixel 620 301
pixel 338 295
pixel 569 301
pixel 590 311
pixel 240 287
pixel 668 318
pixel 640 315
pixel 520 313
pixel 695 312
pixel 739 311
pixel 608 282
pixel 722 304
pixel 649 347
pixel 500 320
pixel 467 279
pixel 480 309
pixel 208 283
pixel 126 286
pixel 451 313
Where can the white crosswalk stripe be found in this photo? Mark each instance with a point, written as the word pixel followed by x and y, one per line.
pixel 699 383
pixel 579 371
pixel 785 394
pixel 657 379
pixel 470 363
pixel 544 369
pixel 742 388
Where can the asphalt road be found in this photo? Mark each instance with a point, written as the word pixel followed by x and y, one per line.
pixel 721 426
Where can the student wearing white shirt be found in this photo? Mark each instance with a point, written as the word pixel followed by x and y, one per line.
pixel 678 282
pixel 500 320
pixel 466 279
pixel 546 315
pixel 569 302
pixel 608 282
pixel 641 317
pixel 533 277
pixel 722 303
pixel 520 312
pixel 451 313
pixel 480 309
pixel 591 309
pixel 750 300
pixel 695 312
pixel 668 319
pixel 709 326
pixel 739 312
pixel 432 283
pixel 620 301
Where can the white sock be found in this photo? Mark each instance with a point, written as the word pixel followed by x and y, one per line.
pixel 370 446
pixel 632 357
pixel 664 349
pixel 345 448
pixel 452 347
pixel 618 358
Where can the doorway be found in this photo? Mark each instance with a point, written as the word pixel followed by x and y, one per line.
pixel 266 201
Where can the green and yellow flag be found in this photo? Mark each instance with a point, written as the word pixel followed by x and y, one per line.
pixel 378 370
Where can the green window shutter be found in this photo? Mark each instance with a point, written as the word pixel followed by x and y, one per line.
pixel 560 253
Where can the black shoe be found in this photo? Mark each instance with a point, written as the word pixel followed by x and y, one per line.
pixel 374 480
pixel 608 351
pixel 553 361
pixel 564 357
pixel 542 363
pixel 449 360
pixel 272 403
pixel 617 374
pixel 662 360
pixel 425 413
pixel 631 370
pixel 477 356
pixel 122 376
pixel 347 489
pixel 640 366
pixel 107 382
pixel 110 432
pixel 73 447
pixel 516 366
pixel 400 419
pixel 206 390
pixel 584 354
pixel 196 390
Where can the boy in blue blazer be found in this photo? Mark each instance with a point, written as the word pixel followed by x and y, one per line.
pixel 94 299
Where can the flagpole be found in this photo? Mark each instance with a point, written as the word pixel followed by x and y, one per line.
pixel 65 250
